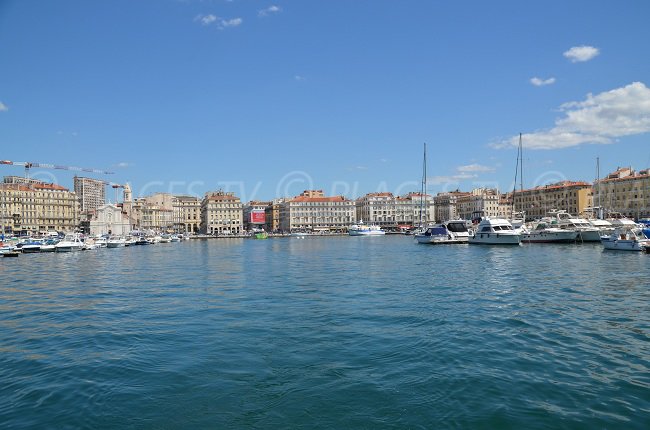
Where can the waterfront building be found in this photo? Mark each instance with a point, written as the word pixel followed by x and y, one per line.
pixel 186 214
pixel 37 207
pixel 221 214
pixel 573 197
pixel 412 208
pixel 255 215
pixel 446 205
pixel 20 180
pixel 110 219
pixel 378 209
pixel 505 206
pixel 91 193
pixel 624 191
pixel 147 215
pixel 313 211
pixel 272 215
pixel 480 202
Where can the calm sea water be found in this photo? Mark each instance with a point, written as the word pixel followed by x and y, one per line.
pixel 338 332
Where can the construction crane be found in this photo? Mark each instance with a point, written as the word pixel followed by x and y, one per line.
pixel 115 187
pixel 28 165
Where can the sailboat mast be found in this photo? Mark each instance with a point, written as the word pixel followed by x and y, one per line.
pixel 514 184
pixel 600 208
pixel 424 183
pixel 521 165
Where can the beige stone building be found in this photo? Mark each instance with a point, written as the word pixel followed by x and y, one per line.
pixel 313 211
pixel 37 207
pixel 477 203
pixel 624 191
pixel 221 214
pixel 573 197
pixel 186 214
pixel 377 208
pixel 446 205
pixel 146 215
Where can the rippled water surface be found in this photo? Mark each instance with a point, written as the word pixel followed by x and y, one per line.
pixel 334 332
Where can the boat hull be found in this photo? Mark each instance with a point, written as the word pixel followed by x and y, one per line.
pixel 495 239
pixel 625 245
pixel 550 237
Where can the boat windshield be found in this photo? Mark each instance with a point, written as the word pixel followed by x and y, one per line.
pixel 437 231
pixel 457 227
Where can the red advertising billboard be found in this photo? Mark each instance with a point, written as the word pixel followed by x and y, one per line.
pixel 258 217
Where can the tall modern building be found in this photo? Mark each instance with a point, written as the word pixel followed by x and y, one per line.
pixel 91 193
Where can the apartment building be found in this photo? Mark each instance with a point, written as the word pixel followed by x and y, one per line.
pixel 377 208
pixel 91 193
pixel 624 191
pixel 37 207
pixel 573 197
pixel 478 203
pixel 221 214
pixel 186 214
pixel 313 211
pixel 446 205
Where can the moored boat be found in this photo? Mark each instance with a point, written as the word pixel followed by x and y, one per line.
pixel 626 239
pixel 495 231
pixel 115 242
pixel 362 229
pixel 448 232
pixel 543 233
pixel 586 232
pixel 71 242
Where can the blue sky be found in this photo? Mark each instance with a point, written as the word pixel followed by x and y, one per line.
pixel 269 98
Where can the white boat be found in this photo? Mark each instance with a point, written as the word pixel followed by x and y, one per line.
pixel 115 242
pixel 543 233
pixel 626 239
pixel 31 246
pixel 49 245
pixel 71 242
pixel 362 229
pixel 101 242
pixel 165 238
pixel 299 234
pixel 586 232
pixel 604 227
pixel 448 232
pixel 175 238
pixel 495 231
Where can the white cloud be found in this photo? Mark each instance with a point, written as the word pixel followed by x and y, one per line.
pixel 462 173
pixel 3 107
pixel 235 22
pixel 599 119
pixel 579 54
pixel 221 23
pixel 205 19
pixel 299 78
pixel 538 82
pixel 475 168
pixel 437 180
pixel 123 165
pixel 269 10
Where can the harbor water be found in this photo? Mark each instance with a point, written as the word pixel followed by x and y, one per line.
pixel 326 333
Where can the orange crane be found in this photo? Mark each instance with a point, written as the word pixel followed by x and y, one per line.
pixel 28 165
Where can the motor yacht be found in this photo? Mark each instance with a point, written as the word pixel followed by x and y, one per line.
pixel 544 233
pixel 448 232
pixel 495 231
